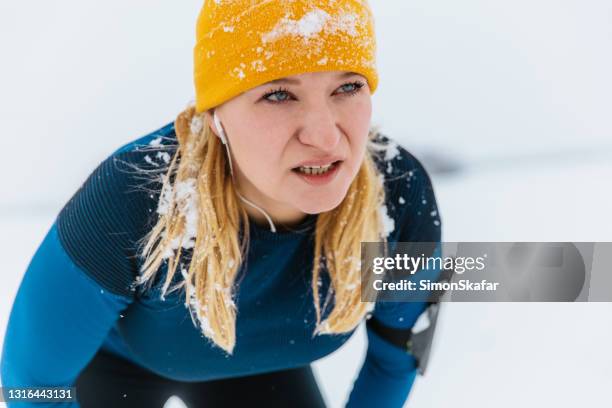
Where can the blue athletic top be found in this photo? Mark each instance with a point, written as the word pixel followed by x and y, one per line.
pixel 76 296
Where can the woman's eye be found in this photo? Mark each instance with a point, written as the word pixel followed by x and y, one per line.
pixel 276 93
pixel 356 87
pixel 352 84
pixel 280 92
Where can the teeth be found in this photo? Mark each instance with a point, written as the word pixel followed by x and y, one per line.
pixel 315 169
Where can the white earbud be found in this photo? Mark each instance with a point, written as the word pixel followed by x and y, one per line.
pixel 219 128
pixel 223 138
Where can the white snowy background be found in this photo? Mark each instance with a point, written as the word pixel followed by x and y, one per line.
pixel 516 96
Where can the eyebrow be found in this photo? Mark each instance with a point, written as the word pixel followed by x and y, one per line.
pixel 298 82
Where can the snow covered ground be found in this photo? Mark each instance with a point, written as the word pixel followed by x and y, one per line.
pixel 517 93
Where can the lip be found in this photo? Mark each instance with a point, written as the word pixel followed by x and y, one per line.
pixel 320 162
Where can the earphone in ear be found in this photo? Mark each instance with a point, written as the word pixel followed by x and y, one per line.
pixel 229 159
pixel 223 138
pixel 219 128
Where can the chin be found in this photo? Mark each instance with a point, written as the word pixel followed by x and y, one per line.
pixel 321 206
pixel 316 200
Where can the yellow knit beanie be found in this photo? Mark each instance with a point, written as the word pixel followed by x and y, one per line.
pixel 241 44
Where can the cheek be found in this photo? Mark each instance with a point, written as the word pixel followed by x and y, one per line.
pixel 356 122
pixel 360 115
pixel 259 154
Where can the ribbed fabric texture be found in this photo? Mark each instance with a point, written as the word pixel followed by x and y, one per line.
pixel 102 223
pixel 263 40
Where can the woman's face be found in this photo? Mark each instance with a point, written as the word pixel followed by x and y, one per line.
pixel 316 119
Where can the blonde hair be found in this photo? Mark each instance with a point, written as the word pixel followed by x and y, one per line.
pixel 200 209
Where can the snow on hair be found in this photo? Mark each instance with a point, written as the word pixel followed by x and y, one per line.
pixel 201 211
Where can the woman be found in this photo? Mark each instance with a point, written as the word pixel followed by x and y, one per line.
pixel 217 257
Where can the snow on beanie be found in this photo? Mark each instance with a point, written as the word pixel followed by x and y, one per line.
pixel 241 44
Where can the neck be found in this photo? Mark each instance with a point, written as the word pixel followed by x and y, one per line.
pixel 280 216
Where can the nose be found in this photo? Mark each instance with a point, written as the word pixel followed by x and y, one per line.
pixel 320 129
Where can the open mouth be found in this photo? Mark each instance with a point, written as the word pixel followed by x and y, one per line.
pixel 317 170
